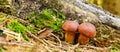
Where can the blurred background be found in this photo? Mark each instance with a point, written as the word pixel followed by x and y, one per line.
pixel 112 6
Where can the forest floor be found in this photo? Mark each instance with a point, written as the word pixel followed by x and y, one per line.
pixel 41 32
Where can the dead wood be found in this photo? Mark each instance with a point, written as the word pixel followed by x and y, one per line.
pixel 73 9
pixel 94 13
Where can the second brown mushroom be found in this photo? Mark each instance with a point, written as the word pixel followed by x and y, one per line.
pixel 87 30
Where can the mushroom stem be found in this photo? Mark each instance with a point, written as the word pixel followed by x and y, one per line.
pixel 83 39
pixel 69 37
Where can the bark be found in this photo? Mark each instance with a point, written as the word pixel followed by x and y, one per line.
pixel 73 9
pixel 102 15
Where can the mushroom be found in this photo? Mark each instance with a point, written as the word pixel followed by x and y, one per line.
pixel 87 30
pixel 70 27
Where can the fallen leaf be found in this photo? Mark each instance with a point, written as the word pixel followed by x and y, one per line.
pixel 45 33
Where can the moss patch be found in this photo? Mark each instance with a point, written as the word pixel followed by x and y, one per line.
pixel 15 26
pixel 48 18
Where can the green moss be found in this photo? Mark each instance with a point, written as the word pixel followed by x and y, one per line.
pixel 31 29
pixel 114 50
pixel 2 49
pixel 48 18
pixel 3 2
pixel 1 32
pixel 1 20
pixel 2 15
pixel 115 47
pixel 15 26
pixel 77 50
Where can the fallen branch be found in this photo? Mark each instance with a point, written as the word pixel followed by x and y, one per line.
pixel 102 15
pixel 83 11
pixel 34 36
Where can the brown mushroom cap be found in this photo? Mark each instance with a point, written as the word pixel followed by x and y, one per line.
pixel 70 26
pixel 87 29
